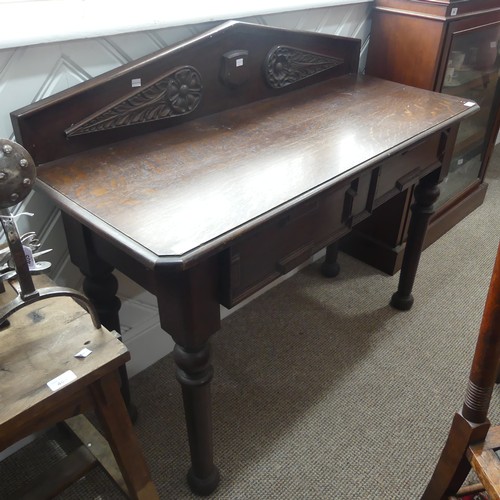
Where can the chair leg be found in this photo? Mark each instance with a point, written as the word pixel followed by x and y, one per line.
pixel 453 465
pixel 471 425
pixel 112 413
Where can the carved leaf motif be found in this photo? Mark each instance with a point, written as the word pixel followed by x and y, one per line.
pixel 286 65
pixel 175 94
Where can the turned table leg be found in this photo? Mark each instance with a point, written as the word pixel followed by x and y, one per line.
pixel 100 286
pixel 426 193
pixel 101 289
pixel 190 312
pixel 194 372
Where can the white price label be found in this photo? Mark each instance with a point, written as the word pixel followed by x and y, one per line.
pixel 83 353
pixel 62 380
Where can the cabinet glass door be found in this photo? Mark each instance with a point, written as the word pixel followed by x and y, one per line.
pixel 472 72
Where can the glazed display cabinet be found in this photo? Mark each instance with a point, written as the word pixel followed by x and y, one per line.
pixel 449 46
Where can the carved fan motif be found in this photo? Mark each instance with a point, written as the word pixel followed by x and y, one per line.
pixel 286 65
pixel 175 94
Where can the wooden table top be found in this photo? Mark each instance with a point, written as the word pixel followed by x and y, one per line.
pixel 183 191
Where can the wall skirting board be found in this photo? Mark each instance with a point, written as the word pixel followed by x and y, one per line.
pixel 32 72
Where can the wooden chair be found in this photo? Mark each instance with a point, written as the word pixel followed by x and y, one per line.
pixel 39 346
pixel 471 440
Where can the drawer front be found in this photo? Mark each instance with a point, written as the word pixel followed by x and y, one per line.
pixel 280 245
pixel 401 171
pixel 260 256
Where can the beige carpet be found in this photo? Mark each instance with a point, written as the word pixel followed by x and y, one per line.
pixel 321 390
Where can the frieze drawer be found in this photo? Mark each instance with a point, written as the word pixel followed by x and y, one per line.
pixel 403 170
pixel 287 240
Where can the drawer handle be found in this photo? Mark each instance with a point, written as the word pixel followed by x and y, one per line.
pixel 412 148
pixel 408 179
pixel 293 259
pixel 295 214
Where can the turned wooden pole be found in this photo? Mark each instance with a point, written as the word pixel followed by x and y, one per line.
pixel 484 368
pixel 471 425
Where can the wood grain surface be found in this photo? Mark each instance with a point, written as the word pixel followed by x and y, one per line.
pixel 205 181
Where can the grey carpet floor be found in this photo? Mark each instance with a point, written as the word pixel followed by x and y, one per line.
pixel 321 390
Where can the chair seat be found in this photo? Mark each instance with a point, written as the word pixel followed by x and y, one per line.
pixel 40 345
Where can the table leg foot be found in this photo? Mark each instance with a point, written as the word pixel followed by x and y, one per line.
pixel 203 485
pixel 330 267
pixel 402 302
pixel 330 270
